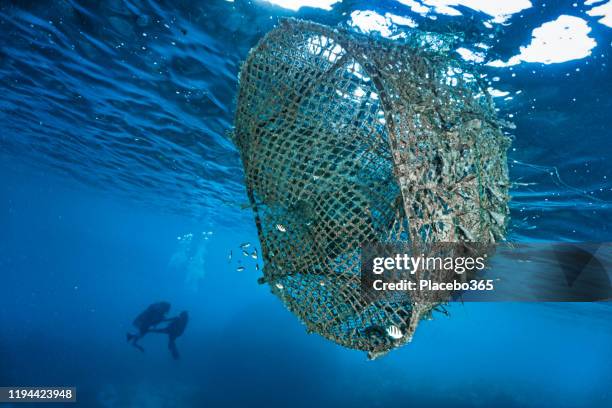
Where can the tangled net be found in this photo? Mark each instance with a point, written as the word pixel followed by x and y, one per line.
pixel 348 139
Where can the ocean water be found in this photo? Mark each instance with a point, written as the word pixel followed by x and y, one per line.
pixel 119 187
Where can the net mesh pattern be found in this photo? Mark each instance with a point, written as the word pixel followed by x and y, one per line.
pixel 347 139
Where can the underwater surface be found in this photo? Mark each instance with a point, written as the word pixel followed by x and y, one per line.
pixel 119 186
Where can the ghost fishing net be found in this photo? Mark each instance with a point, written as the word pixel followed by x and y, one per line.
pixel 347 139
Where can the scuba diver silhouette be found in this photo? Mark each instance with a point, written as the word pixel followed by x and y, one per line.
pixel 151 317
pixel 147 320
pixel 174 329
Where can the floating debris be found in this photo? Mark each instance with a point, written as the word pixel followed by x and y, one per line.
pixel 499 218
pixel 240 269
pixel 281 228
pixel 441 309
pixel 394 332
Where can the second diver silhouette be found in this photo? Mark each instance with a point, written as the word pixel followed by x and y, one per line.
pixel 155 314
pixel 174 329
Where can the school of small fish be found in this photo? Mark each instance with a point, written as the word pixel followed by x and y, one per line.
pixel 243 247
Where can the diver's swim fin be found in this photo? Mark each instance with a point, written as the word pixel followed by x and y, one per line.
pixel 173 350
pixel 133 338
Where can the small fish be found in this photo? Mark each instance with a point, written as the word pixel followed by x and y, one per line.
pixel 279 286
pixel 240 269
pixel 256 267
pixel 245 253
pixel 245 245
pixel 254 255
pixel 281 228
pixel 394 332
pixel 229 258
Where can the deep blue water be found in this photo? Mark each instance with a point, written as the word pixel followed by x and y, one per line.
pixel 113 145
